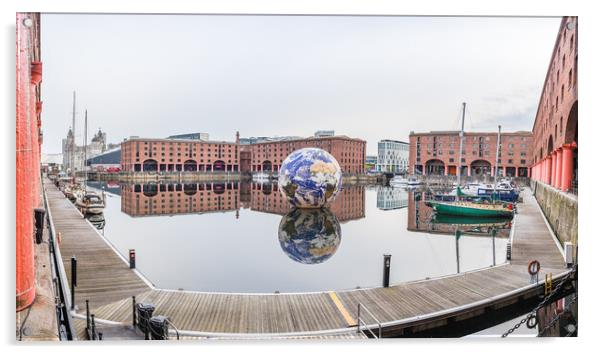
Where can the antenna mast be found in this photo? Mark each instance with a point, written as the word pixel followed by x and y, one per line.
pixel 72 147
pixel 459 171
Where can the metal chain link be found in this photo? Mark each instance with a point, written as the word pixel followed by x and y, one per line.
pixel 556 318
pixel 542 303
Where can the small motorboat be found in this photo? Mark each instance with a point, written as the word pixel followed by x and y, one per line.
pixel 398 181
pixel 414 181
pixel 90 203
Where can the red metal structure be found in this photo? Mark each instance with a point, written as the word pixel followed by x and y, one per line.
pixel 29 139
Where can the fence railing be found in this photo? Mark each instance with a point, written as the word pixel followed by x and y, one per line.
pixel 361 323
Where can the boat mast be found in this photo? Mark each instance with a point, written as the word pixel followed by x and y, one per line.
pixel 497 158
pixel 72 147
pixel 459 171
pixel 85 149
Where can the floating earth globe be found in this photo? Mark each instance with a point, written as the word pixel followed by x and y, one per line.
pixel 310 178
pixel 309 236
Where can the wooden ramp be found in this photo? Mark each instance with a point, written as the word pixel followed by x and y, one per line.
pixel 105 279
pixel 102 275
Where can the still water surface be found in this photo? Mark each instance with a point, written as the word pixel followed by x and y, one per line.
pixel 243 237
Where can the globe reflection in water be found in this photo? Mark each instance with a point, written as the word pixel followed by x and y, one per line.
pixel 309 236
pixel 310 178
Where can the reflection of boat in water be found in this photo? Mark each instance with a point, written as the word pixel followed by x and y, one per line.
pixel 90 203
pixel 398 181
pixel 471 221
pixel 309 236
pixel 98 220
pixel 261 177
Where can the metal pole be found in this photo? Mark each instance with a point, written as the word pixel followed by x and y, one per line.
pixel 459 172
pixel 493 232
pixel 93 327
pixel 497 158
pixel 73 280
pixel 85 150
pixel 87 315
pixel 72 157
pixel 386 270
pixel 134 311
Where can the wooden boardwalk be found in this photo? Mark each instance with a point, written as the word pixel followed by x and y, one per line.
pixel 105 279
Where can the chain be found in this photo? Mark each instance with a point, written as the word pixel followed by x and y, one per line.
pixel 557 317
pixel 541 304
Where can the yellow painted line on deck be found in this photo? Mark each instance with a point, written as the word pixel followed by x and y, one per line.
pixel 337 302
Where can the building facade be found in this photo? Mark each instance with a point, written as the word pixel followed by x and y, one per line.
pixel 554 155
pixel 268 156
pixel 393 156
pixel 436 153
pixel 165 155
pixel 73 154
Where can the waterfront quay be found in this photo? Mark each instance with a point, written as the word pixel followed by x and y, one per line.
pixel 416 308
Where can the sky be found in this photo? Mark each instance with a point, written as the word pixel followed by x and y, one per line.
pixel 363 76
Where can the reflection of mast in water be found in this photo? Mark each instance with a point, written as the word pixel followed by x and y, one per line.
pixel 458 233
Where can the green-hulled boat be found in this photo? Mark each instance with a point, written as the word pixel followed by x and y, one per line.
pixel 470 220
pixel 468 208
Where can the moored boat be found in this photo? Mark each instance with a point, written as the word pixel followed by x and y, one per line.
pixel 90 203
pixel 473 209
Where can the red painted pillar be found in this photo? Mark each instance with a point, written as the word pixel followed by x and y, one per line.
pixel 553 176
pixel 548 170
pixel 558 178
pixel 446 170
pixel 567 167
pixel 529 172
pixel 25 273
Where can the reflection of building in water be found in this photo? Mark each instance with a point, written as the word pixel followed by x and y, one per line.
pixel 348 205
pixel 388 198
pixel 179 198
pixel 422 218
pixel 182 198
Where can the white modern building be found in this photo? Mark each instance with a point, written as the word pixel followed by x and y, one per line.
pixel 393 156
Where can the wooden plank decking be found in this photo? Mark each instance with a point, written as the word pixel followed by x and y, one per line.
pixel 105 279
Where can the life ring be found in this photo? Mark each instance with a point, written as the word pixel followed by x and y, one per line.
pixel 531 321
pixel 534 267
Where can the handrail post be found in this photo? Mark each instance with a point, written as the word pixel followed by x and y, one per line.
pixel 87 315
pixel 359 306
pixel 73 280
pixel 134 312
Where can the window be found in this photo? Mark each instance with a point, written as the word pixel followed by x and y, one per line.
pixel 571 45
pixel 563 61
pixel 570 77
pixel 562 94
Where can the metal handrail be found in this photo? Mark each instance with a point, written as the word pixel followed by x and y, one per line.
pixel 360 321
pixel 175 328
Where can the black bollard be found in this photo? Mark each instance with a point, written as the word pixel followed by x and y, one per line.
pixel 132 258
pixel 73 280
pixel 386 270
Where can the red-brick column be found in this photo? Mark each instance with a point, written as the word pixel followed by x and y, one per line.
pixel 558 178
pixel 553 176
pixel 567 167
pixel 548 179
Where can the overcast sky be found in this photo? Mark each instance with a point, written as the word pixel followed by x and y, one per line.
pixel 366 77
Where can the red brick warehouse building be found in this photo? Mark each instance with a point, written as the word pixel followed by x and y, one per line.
pixel 555 127
pixel 165 155
pixel 436 153
pixel 268 156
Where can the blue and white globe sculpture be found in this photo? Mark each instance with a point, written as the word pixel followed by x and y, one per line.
pixel 309 236
pixel 310 178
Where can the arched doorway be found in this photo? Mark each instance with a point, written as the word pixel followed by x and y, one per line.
pixel 266 166
pixel 480 168
pixel 150 190
pixel 190 165
pixel 150 165
pixel 190 188
pixel 219 166
pixel 570 131
pixel 435 167
pixel 570 137
pixel 219 188
pixel 550 145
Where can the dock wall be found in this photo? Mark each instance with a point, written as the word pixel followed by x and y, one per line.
pixel 560 208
